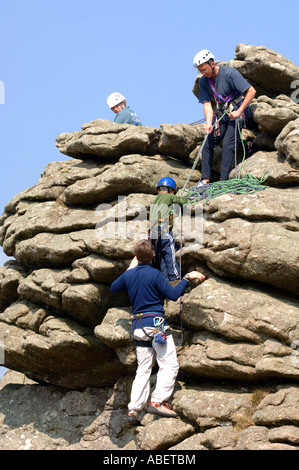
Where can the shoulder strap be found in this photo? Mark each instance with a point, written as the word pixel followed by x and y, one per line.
pixel 219 96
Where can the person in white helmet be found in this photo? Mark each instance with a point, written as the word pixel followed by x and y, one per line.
pixel 124 115
pixel 226 88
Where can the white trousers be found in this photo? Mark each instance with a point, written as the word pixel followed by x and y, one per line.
pixel 168 370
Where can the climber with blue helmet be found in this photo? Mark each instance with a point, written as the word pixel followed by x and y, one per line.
pixel 161 223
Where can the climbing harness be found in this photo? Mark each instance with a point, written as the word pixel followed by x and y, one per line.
pixel 219 99
pixel 223 104
pixel 159 335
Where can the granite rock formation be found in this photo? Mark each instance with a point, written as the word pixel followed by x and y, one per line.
pixel 67 340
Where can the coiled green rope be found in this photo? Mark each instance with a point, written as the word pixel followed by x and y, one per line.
pixel 246 184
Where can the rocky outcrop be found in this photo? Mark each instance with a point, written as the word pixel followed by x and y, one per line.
pixel 287 143
pixel 69 340
pixel 272 115
pixel 110 141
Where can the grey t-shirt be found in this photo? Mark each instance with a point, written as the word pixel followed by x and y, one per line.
pixel 127 116
pixel 227 81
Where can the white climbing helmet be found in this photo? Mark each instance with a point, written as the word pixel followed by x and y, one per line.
pixel 114 99
pixel 202 57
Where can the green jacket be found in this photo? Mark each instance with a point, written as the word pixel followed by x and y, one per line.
pixel 163 206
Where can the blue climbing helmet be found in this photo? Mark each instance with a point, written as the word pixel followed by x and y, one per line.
pixel 167 182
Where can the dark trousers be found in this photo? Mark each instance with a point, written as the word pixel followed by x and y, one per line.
pixel 227 133
pixel 165 253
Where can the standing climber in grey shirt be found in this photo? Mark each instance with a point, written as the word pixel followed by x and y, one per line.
pixel 124 114
pixel 229 90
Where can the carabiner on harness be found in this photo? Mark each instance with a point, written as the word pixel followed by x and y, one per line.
pixel 159 332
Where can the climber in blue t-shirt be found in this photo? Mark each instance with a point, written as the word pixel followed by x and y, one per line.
pixel 124 114
pixel 228 90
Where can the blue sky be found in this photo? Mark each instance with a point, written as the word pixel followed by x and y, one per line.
pixel 59 59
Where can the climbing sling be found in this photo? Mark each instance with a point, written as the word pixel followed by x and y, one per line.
pixel 219 99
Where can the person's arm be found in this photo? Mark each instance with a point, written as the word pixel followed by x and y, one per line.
pixel 180 200
pixel 133 263
pixel 194 275
pixel 250 94
pixel 121 117
pixel 209 113
pixel 205 97
pixel 173 293
pixel 119 284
